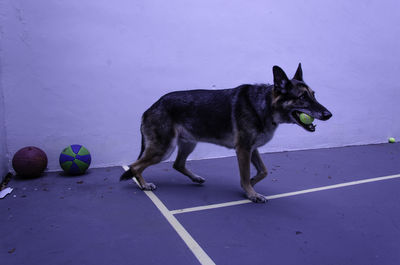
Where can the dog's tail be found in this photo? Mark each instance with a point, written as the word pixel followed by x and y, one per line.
pixel 142 147
pixel 128 174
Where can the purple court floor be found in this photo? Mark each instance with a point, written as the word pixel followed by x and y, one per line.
pixel 327 206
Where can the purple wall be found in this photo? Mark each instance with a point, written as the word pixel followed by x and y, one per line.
pixel 84 71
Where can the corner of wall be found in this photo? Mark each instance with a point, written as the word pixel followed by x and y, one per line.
pixel 4 155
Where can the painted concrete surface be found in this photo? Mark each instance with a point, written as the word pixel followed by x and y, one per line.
pixel 83 72
pixel 288 171
pixel 90 219
pixel 96 219
pixel 352 225
pixel 349 225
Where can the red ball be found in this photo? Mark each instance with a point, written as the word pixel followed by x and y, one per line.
pixel 29 162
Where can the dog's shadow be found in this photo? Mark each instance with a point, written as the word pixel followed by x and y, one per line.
pixel 209 192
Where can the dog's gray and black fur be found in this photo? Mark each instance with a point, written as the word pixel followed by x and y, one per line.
pixel 243 118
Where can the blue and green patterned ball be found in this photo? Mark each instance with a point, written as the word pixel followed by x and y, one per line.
pixel 75 159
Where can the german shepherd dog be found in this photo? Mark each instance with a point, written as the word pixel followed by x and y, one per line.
pixel 243 118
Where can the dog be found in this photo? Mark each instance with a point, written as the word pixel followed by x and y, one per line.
pixel 243 118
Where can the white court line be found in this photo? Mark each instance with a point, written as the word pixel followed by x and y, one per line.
pixel 226 204
pixel 200 254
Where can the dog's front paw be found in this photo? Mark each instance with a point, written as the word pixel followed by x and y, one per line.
pixel 257 198
pixel 198 179
pixel 149 186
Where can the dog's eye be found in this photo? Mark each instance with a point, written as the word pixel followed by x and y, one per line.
pixel 302 96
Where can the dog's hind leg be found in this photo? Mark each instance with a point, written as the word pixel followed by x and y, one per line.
pixel 135 170
pixel 159 142
pixel 257 162
pixel 184 150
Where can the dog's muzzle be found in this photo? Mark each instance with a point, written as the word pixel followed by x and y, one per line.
pixel 326 115
pixel 323 116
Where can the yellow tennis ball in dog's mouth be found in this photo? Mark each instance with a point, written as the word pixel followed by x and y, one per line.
pixel 305 118
pixel 392 140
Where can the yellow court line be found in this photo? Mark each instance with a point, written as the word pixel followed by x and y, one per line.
pixel 196 249
pixel 294 193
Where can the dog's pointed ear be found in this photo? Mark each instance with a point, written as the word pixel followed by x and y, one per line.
pixel 299 73
pixel 281 81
